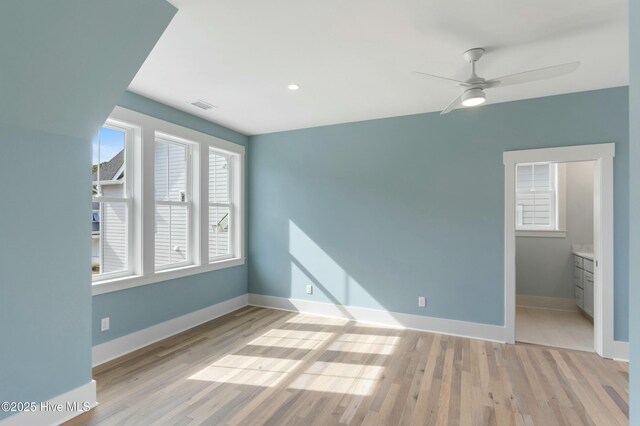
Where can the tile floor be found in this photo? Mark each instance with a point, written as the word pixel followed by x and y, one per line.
pixel 548 327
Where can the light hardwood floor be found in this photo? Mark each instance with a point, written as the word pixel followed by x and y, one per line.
pixel 548 327
pixel 260 366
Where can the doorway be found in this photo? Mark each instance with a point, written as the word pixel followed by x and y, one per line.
pixel 554 254
pixel 601 156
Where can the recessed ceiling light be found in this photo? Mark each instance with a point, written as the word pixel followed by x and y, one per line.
pixel 293 87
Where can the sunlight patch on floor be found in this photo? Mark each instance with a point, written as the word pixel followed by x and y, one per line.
pixel 293 339
pixel 247 370
pixel 299 334
pixel 369 338
pixel 321 376
pixel 336 377
pixel 365 343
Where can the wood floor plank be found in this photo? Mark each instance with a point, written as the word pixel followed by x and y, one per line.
pixel 259 366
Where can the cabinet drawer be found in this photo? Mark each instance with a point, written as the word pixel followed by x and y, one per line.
pixel 580 297
pixel 588 295
pixel 578 277
pixel 577 261
pixel 588 265
pixel 588 277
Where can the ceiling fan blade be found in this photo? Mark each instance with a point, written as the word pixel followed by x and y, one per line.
pixel 533 75
pixel 454 104
pixel 441 78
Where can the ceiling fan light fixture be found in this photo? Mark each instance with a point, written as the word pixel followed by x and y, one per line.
pixel 473 97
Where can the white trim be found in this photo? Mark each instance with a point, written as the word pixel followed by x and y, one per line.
pixel 120 346
pixel 152 124
pixel 542 302
pixel 192 198
pixel 620 351
pixel 141 248
pixel 561 192
pixel 541 233
pixel 493 333
pixel 118 284
pixel 80 395
pixel 603 155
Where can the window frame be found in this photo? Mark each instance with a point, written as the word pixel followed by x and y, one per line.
pixel 188 203
pixel 143 179
pixel 230 205
pixel 557 229
pixel 129 131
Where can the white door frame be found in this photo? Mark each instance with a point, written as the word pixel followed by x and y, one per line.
pixel 603 309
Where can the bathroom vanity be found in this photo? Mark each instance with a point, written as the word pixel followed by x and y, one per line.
pixel 583 280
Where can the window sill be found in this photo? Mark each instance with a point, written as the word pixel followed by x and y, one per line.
pixel 541 233
pixel 117 284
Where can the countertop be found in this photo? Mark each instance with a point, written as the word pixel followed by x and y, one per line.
pixel 585 254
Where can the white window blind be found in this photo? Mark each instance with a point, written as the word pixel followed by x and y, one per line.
pixel 536 196
pixel 220 205
pixel 115 245
pixel 172 203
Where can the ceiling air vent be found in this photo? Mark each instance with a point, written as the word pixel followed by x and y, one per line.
pixel 202 104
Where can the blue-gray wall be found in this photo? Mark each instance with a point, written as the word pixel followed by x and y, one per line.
pixel 376 213
pixel 634 229
pixel 141 307
pixel 65 64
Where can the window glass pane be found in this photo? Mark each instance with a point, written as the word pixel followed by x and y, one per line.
pixel 171 235
pixel 218 231
pixel 535 198
pixel 524 178
pixel 535 208
pixel 109 238
pixel 218 178
pixel 114 237
pixel 541 177
pixel 109 227
pixel 162 171
pixel 170 171
pixel 109 161
pixel 177 172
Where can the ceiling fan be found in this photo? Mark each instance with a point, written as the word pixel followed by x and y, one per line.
pixel 475 86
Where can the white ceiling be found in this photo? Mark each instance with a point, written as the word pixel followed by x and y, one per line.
pixel 353 59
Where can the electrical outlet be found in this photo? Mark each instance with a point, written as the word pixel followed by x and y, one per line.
pixel 309 289
pixel 422 302
pixel 104 324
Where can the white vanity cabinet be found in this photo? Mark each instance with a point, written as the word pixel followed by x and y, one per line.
pixel 583 283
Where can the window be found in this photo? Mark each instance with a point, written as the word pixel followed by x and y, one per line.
pixel 173 203
pixel 537 196
pixel 111 203
pixel 167 202
pixel 220 205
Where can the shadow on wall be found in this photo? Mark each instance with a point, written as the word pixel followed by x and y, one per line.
pixel 311 265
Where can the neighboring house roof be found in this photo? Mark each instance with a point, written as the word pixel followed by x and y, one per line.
pixel 112 170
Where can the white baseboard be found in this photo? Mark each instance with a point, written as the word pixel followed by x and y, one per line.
pixel 56 411
pixel 620 351
pixel 557 303
pixel 472 330
pixel 123 345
